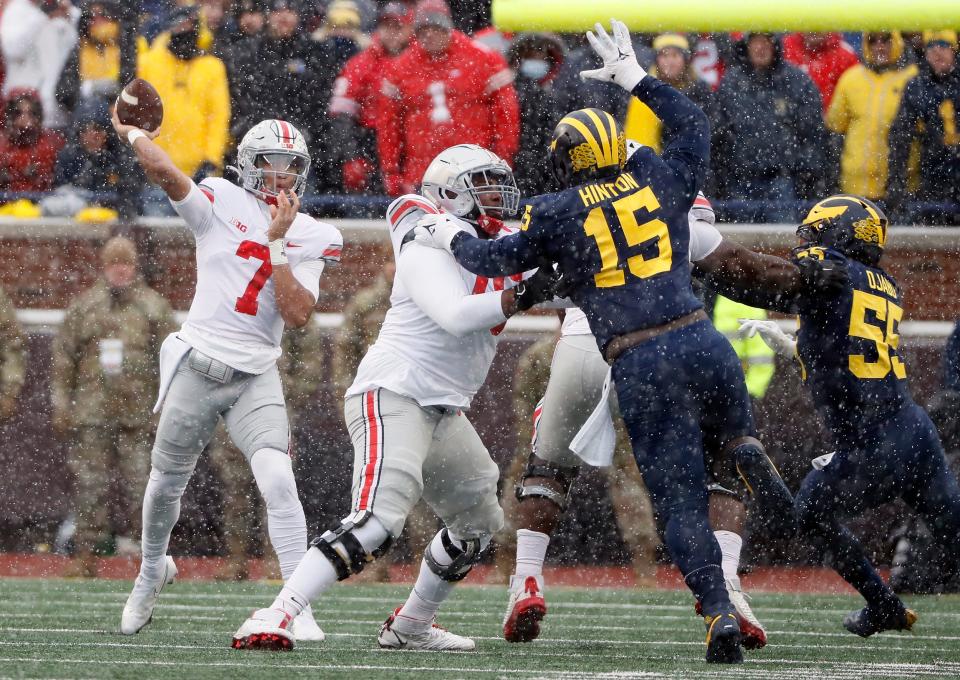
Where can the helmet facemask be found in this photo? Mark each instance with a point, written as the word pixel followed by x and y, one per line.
pixel 257 169
pixel 494 191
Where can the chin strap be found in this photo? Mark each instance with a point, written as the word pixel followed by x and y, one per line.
pixel 490 225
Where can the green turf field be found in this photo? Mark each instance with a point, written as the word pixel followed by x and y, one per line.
pixel 66 629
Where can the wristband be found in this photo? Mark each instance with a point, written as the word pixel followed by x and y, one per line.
pixel 136 134
pixel 277 253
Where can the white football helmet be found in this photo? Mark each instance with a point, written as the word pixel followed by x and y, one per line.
pixel 282 146
pixel 464 178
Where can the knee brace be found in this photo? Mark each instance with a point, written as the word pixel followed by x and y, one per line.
pixel 564 476
pixel 451 558
pixel 344 548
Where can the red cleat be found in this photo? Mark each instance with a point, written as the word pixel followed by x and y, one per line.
pixel 525 610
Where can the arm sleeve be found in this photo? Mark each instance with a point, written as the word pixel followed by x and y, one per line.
pixel 505 256
pixel 308 274
pixel 436 285
pixel 196 209
pixel 687 127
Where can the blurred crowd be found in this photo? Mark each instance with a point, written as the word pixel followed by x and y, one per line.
pixel 381 87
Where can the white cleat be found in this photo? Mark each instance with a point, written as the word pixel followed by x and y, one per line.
pixel 268 629
pixel 751 630
pixel 434 639
pixel 305 628
pixel 138 611
pixel 525 609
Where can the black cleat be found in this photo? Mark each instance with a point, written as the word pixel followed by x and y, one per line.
pixel 867 621
pixel 723 639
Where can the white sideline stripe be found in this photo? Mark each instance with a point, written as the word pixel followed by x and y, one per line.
pixel 541 641
pixel 521 323
pixel 346 667
pixel 333 598
pixel 527 651
pixel 857 668
pixel 562 622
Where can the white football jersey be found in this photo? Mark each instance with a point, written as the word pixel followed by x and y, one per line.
pixel 704 239
pixel 414 355
pixel 234 316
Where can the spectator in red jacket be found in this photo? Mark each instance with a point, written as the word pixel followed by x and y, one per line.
pixel 823 56
pixel 353 107
pixel 28 152
pixel 443 90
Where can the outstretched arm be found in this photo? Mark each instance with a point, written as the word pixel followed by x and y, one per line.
pixel 155 162
pixel 768 281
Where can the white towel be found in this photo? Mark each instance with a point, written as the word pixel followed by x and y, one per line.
pixel 596 440
pixel 172 352
pixel 823 461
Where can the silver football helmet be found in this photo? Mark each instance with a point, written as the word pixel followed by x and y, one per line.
pixel 464 179
pixel 282 146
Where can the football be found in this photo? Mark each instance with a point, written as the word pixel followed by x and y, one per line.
pixel 139 104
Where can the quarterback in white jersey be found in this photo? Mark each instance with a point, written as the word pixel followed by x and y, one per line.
pixel 405 411
pixel 259 263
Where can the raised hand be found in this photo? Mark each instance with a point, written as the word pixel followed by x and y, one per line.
pixel 282 214
pixel 619 61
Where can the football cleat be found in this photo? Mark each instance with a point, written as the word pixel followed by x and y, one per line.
pixel 266 629
pixel 723 638
pixel 752 633
pixel 138 611
pixel 434 638
pixel 867 621
pixel 305 628
pixel 525 609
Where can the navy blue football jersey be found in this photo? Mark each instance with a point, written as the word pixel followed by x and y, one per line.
pixel 621 245
pixel 848 347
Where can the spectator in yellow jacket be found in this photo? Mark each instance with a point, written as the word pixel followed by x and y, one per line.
pixel 864 105
pixel 195 93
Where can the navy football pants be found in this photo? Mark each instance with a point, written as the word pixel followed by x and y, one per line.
pixel 666 387
pixel 901 458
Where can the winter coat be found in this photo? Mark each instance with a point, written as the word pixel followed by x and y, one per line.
pixel 641 125
pixel 29 168
pixel 428 104
pixel 769 124
pixel 825 65
pixel 864 105
pixel 928 112
pixel 196 106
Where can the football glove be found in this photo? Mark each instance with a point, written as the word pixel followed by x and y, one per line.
pixel 619 62
pixel 769 331
pixel 827 277
pixel 538 288
pixel 436 231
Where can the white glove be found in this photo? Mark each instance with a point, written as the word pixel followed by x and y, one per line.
pixel 780 342
pixel 436 231
pixel 703 210
pixel 619 62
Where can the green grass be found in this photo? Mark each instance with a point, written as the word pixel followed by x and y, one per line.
pixel 67 629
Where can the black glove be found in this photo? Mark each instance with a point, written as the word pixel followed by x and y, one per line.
pixel 538 288
pixel 829 277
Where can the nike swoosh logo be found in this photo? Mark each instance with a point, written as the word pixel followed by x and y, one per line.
pixel 293 245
